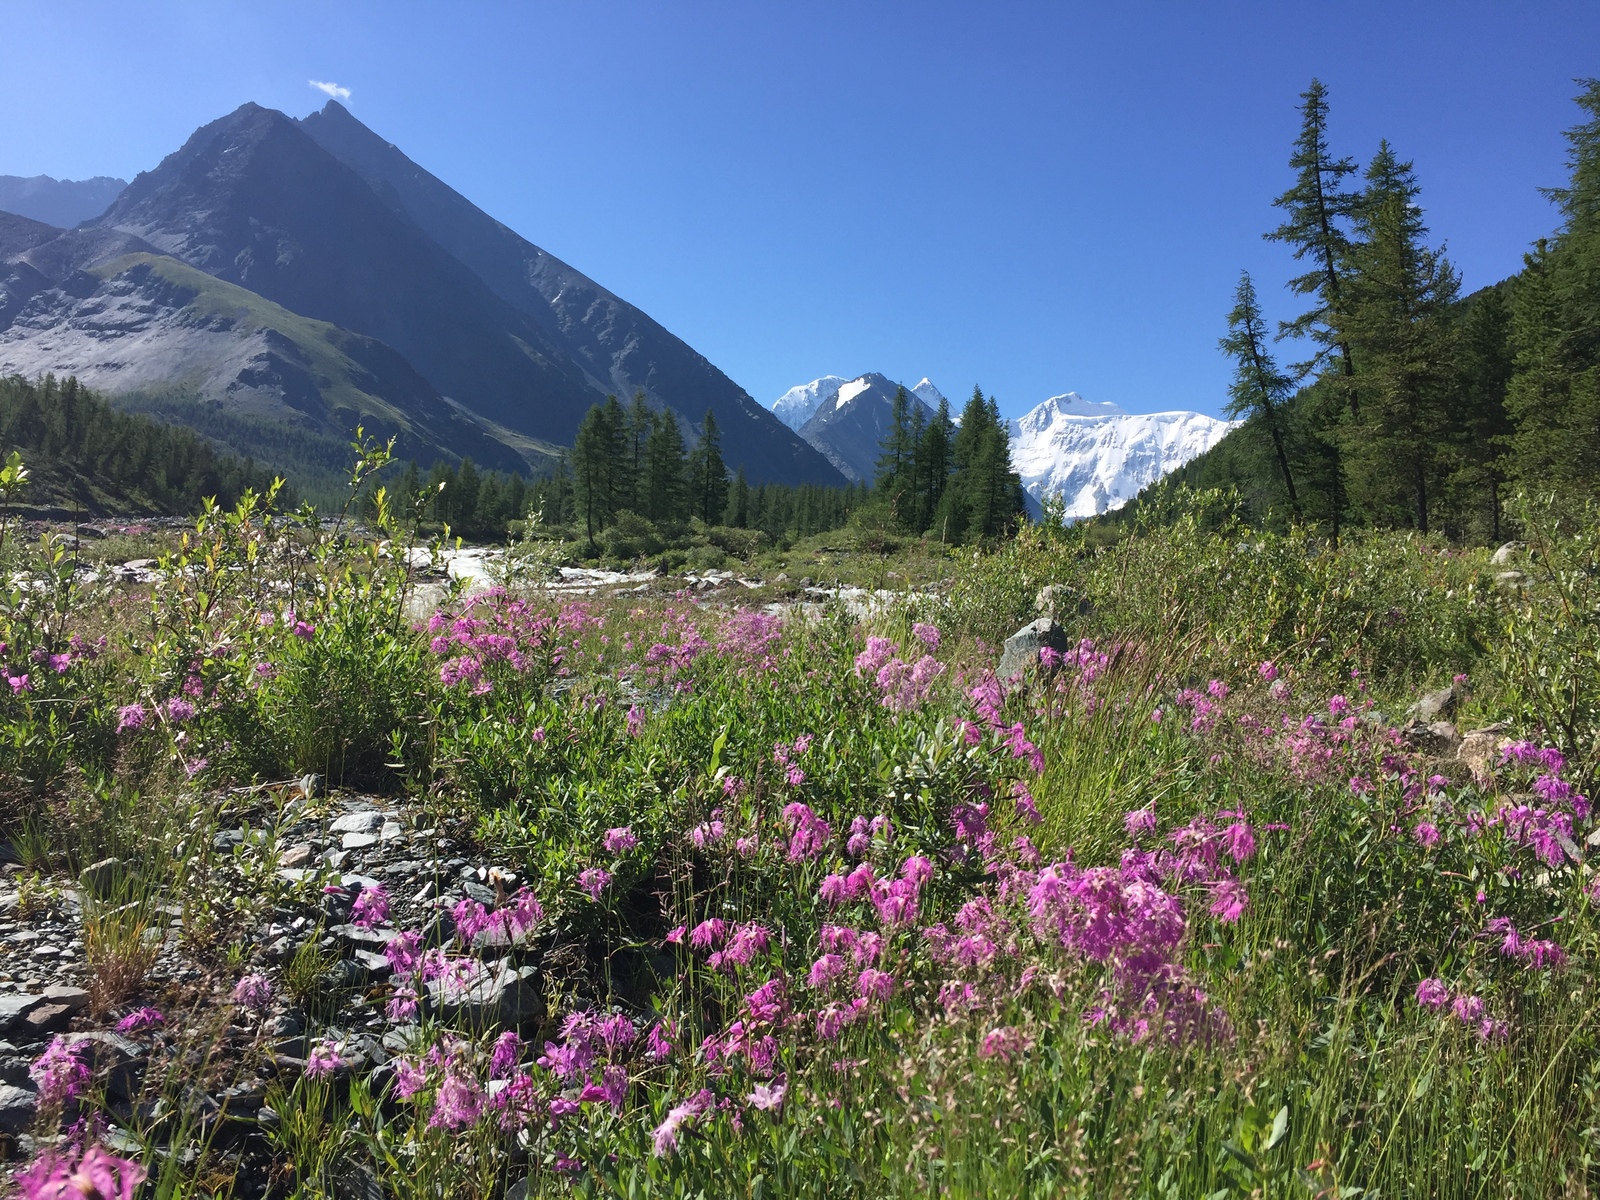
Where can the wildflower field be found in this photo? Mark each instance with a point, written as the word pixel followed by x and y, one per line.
pixel 729 895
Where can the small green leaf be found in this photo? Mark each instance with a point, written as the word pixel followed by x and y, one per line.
pixel 1280 1127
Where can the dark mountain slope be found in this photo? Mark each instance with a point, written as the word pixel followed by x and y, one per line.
pixel 146 323
pixel 618 347
pixel 251 199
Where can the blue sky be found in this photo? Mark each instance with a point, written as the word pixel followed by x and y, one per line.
pixel 1031 197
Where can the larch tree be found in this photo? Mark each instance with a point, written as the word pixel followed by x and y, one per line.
pixel 1259 389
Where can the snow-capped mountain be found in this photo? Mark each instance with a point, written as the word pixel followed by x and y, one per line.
pixel 1098 457
pixel 850 425
pixel 927 393
pixel 799 404
pixel 1094 454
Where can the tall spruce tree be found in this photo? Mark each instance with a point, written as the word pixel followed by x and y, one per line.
pixel 1554 395
pixel 1316 211
pixel 635 439
pixel 895 448
pixel 594 451
pixel 1398 321
pixel 933 455
pixel 1259 390
pixel 708 474
pixel 665 485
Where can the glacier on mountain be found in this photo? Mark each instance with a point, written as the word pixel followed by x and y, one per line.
pixel 1092 453
pixel 799 404
pixel 1096 456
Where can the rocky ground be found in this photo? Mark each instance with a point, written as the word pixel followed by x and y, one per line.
pixel 321 854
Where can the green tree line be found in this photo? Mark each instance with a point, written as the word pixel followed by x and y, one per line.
pixel 82 453
pixel 628 465
pixel 1414 407
pixel 949 481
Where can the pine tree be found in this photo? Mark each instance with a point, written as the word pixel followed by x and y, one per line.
pixel 1397 320
pixel 664 486
pixel 1316 209
pixel 890 479
pixel 738 514
pixel 1486 362
pixel 1259 390
pixel 708 474
pixel 592 453
pixel 933 456
pixel 1554 396
pixel 636 437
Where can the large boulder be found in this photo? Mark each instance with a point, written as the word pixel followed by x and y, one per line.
pixel 1022 647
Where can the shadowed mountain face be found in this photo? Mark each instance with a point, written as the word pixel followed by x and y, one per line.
pixel 311 275
pixel 105 307
pixel 60 202
pixel 849 426
pixel 253 201
pixel 616 347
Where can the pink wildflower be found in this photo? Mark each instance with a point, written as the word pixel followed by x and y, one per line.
pixel 60 1072
pixel 371 907
pixel 1427 834
pixel 129 716
pixel 768 1097
pixel 253 991
pixel 1140 821
pixel 323 1061
pixel 141 1019
pixel 1432 993
pixel 620 840
pixel 96 1176
pixel 594 880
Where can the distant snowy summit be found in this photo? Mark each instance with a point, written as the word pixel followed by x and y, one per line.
pixel 1093 454
pixel 1097 457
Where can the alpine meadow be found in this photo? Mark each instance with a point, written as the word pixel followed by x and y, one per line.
pixel 455 744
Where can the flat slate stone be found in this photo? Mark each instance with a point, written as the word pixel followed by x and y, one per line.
pixel 361 822
pixel 14 1007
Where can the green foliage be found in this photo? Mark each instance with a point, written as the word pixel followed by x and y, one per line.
pixel 84 454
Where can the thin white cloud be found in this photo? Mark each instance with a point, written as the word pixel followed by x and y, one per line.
pixel 332 89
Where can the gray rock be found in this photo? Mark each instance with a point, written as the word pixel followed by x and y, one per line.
pixel 359 841
pixel 1434 706
pixel 358 822
pixel 101 879
pixel 375 967
pixel 500 994
pixel 1022 647
pixel 1438 738
pixel 1480 749
pixel 14 1007
pixel 75 998
pixel 358 937
pixel 16 1108
pixel 47 1018
pixel 295 856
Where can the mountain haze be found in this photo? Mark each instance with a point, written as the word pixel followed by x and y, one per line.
pixel 60 202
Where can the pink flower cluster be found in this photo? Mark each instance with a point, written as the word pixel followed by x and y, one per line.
pixel 1435 994
pixel 491 633
pixel 901 685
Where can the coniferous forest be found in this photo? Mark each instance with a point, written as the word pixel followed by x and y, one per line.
pixel 1411 406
